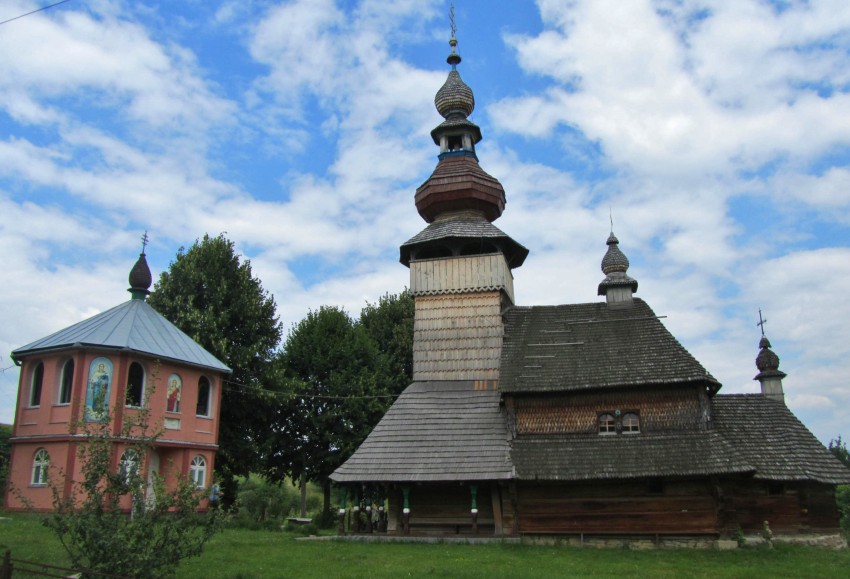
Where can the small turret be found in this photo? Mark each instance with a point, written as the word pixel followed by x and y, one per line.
pixel 140 276
pixel 769 376
pixel 617 287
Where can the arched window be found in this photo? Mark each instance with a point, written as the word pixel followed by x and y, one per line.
pixel 40 464
pixel 129 465
pixel 204 389
pixel 67 382
pixel 607 424
pixel 631 423
pixel 198 471
pixel 175 386
pixel 36 384
pixel 135 384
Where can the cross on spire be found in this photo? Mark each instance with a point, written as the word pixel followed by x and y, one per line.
pixel 452 18
pixel 145 240
pixel 762 321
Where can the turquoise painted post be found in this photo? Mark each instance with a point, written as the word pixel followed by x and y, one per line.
pixel 355 511
pixel 473 490
pixel 343 493
pixel 405 518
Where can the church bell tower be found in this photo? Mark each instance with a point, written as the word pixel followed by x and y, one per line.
pixel 460 264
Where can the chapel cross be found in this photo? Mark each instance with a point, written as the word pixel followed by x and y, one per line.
pixel 452 18
pixel 761 323
pixel 145 240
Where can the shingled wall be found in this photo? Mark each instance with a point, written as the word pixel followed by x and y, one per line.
pixel 659 409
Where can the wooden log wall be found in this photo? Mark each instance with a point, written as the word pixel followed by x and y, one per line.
pixel 457 337
pixel 659 409
pixel 788 507
pixel 622 508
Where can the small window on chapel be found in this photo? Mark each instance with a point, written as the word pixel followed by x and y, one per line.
pixel 616 422
pixel 135 385
pixel 631 423
pixel 607 424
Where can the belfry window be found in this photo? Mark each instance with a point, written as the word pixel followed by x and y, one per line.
pixel 67 382
pixel 135 384
pixel 203 407
pixel 36 384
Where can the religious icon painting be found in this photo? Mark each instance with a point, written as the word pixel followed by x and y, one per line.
pixel 97 390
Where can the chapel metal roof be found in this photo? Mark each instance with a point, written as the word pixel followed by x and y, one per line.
pixel 435 431
pixel 588 346
pixel 133 325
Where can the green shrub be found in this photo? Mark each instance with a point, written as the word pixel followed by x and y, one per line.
pixel 262 505
pixel 842 499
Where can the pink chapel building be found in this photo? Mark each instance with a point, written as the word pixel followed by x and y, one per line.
pixel 104 369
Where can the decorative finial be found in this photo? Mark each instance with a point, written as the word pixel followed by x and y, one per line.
pixel 452 18
pixel 140 276
pixel 611 218
pixel 762 321
pixel 454 57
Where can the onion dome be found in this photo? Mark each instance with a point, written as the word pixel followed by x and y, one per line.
pixel 140 278
pixel 614 260
pixel 454 97
pixel 615 264
pixel 767 361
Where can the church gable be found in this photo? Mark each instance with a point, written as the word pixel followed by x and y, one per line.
pixel 582 347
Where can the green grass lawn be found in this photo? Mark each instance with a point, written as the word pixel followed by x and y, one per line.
pixel 238 553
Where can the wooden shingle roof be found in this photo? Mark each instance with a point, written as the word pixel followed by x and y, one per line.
pixel 767 435
pixel 435 431
pixel 576 457
pixel 588 346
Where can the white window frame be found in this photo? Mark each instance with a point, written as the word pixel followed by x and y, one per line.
pixel 198 471
pixel 40 467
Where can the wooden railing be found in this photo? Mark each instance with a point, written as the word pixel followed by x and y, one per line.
pixel 11 567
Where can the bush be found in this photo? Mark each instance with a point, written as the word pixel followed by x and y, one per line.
pixel 264 505
pixel 842 499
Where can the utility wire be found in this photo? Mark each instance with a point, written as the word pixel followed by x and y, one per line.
pixel 243 388
pixel 34 11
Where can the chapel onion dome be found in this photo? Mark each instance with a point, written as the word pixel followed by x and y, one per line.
pixel 767 361
pixel 140 278
pixel 615 264
pixel 458 182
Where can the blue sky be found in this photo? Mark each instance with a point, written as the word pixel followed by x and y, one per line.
pixel 715 132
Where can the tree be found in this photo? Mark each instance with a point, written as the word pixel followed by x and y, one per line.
pixel 5 452
pixel 390 325
pixel 842 493
pixel 91 523
pixel 337 393
pixel 210 294
pixel 839 448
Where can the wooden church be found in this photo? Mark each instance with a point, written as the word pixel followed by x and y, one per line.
pixel 580 420
pixel 105 370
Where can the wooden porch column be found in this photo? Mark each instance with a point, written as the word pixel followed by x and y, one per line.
pixel 405 517
pixel 355 511
pixel 473 490
pixel 343 492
